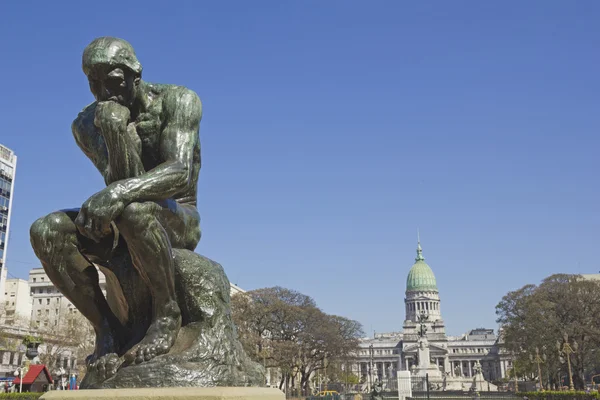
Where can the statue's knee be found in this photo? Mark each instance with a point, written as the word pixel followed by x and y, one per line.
pixel 135 216
pixel 48 229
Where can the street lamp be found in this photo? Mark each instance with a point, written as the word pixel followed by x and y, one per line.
pixel 20 372
pixel 539 360
pixel 565 351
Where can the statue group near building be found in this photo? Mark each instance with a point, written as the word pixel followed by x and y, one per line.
pixel 165 319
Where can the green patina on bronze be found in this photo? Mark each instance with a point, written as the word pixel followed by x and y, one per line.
pixel 165 320
pixel 420 277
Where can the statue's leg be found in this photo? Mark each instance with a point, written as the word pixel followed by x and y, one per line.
pixel 61 250
pixel 151 231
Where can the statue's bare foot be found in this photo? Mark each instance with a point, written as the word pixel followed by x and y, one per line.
pixel 159 338
pixel 104 367
pixel 105 362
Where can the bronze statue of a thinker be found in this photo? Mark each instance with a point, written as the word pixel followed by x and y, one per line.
pixel 140 230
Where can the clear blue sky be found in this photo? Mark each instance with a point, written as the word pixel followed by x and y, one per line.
pixel 333 130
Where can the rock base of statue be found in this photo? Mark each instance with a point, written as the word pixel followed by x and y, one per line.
pixel 207 351
pixel 220 393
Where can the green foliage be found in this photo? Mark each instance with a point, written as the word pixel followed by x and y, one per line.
pixel 29 339
pixel 555 395
pixel 20 396
pixel 539 317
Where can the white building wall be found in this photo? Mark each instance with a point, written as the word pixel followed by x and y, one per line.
pixel 8 168
pixel 17 303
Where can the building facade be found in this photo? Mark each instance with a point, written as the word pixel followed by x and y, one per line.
pixel 17 303
pixel 8 168
pixel 50 308
pixel 382 356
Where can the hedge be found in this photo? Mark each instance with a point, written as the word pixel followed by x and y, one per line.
pixel 21 396
pixel 555 395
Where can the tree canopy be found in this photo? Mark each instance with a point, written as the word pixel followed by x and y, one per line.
pixel 285 329
pixel 563 308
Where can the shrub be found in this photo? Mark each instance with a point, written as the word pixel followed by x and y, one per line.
pixel 553 395
pixel 20 396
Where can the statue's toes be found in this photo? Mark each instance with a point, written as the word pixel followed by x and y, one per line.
pixel 149 353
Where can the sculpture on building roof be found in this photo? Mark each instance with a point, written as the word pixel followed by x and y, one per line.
pixel 422 319
pixel 165 320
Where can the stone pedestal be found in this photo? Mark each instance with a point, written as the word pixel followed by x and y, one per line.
pixel 214 393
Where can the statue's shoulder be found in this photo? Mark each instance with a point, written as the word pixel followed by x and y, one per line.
pixel 84 122
pixel 175 97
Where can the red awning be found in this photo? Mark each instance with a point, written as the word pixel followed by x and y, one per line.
pixel 34 371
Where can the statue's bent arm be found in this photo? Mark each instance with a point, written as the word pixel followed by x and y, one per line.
pixel 182 112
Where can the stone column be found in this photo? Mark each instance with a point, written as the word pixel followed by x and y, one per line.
pixel 470 369
pixel 462 368
pixel 447 367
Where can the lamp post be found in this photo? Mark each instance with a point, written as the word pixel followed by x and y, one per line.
pixel 20 372
pixel 538 360
pixel 565 351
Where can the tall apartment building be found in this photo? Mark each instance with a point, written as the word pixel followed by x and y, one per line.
pixel 8 167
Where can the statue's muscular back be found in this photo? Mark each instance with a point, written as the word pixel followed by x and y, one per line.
pixel 149 124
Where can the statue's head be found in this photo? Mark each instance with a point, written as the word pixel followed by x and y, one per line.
pixel 113 70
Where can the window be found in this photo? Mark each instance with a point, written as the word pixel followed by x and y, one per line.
pixel 58 299
pixel 47 312
pixel 34 280
pixel 39 301
pixel 47 301
pixel 56 311
pixel 48 290
pixel 39 312
pixel 42 279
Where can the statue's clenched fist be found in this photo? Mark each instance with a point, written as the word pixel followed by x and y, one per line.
pixel 99 211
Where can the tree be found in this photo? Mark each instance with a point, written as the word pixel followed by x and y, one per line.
pixel 285 329
pixel 539 316
pixel 65 335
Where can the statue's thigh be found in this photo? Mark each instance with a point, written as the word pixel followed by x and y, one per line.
pixel 181 222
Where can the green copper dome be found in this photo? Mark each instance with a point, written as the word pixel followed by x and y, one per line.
pixel 420 276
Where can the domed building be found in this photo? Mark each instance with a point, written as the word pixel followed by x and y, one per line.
pixel 422 300
pixel 421 291
pixel 381 356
